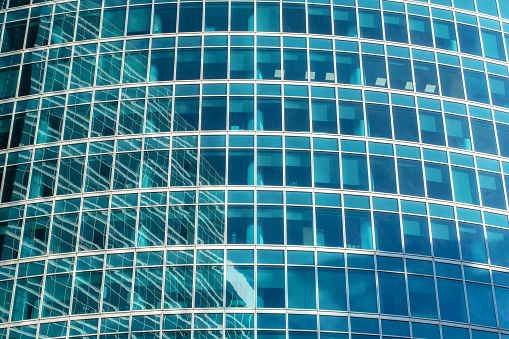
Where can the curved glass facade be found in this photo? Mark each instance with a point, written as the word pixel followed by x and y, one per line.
pixel 268 169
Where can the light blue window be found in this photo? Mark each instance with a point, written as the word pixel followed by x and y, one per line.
pixel 451 82
pixel 374 71
pixel 421 291
pixel 416 235
pixel 383 174
pixel 213 113
pixel 190 17
pixel 57 295
pixel 326 170
pixel 329 227
pixel 188 63
pixel 299 225
pixel 469 39
pixel 301 287
pixel 395 27
pixel 270 287
pixel 355 172
pixel 139 20
pixel 295 64
pixel 165 18
pixel 209 286
pixel 319 19
pixel 178 287
pixel 240 278
pixel 492 191
pixel 473 247
pixel 445 239
pixel 438 181
pixel 242 16
pixel 241 167
pixel 400 71
pixel 241 63
pixel 362 291
pixel 270 167
pixel 499 88
pixel 480 304
pixel 215 63
pixel 392 292
pixel 216 16
pixel 268 63
pixel 351 118
pixel 426 80
pixel 358 229
pixel 269 114
pixel 348 68
pixel 87 290
pixel 324 116
pixel 117 290
pixel 186 114
pixel 26 299
pixel 487 7
pixel 114 22
pixel 122 228
pixel 452 300
pixel 332 289
pixel 370 23
pixel 493 44
pixel 35 237
pixel 297 115
pixel 458 132
pixel 503 139
pixel 502 298
pixel 445 35
pixel 321 65
pixel 270 225
pixel 420 30
pixel 345 21
pixel 378 118
pixel 294 18
pixel 298 168
pixel 432 127
pixel 476 86
pixel 410 177
pixel 387 232
pixel 268 17
pixel 498 240
pixel 465 185
pixel 240 228
pixel 484 136
pixel 405 124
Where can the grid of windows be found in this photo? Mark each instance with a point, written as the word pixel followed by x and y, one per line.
pixel 268 169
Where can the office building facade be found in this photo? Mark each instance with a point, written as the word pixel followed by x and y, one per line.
pixel 269 169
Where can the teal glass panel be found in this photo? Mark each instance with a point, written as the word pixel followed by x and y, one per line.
pixel 497 242
pixel 452 300
pixel 421 292
pixel 465 185
pixel 370 23
pixel 480 304
pixel 362 291
pixel 420 30
pixel 57 295
pixel 392 292
pixel 26 299
pixel 387 232
pixel 445 239
pixel 345 21
pixel 267 17
pixel 87 291
pixel 416 235
pixel 358 229
pixel 445 35
pixel 299 225
pixel 458 132
pixel 326 169
pixel 301 287
pixel 148 288
pixel 117 290
pixel 395 27
pixel 209 287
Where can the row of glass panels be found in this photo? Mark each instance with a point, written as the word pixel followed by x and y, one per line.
pixel 263 286
pixel 417 28
pixel 211 63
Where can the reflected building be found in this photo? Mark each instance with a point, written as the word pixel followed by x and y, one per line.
pixel 235 169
